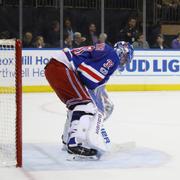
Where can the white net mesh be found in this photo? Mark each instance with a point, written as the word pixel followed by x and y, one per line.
pixel 7 103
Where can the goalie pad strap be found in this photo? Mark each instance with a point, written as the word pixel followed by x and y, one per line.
pixel 78 114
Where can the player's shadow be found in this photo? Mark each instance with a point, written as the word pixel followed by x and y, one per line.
pixel 38 157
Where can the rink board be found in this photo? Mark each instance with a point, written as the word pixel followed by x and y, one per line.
pixel 116 87
pixel 150 70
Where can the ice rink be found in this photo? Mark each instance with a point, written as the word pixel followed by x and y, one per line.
pixel 150 119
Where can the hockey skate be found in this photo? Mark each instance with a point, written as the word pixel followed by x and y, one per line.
pixel 79 151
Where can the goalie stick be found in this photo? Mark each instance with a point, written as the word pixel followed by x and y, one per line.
pixel 111 149
pixel 115 149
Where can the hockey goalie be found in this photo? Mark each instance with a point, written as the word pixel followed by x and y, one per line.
pixel 78 77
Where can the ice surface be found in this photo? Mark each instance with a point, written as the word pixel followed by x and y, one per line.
pixel 151 119
pixel 48 157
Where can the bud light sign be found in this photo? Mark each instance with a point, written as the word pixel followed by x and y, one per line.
pixel 162 64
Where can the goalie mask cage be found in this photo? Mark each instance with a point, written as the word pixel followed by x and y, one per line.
pixel 10 103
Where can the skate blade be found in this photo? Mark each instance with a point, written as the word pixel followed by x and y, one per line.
pixel 74 157
pixel 115 149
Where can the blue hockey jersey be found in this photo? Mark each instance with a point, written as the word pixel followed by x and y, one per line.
pixel 95 64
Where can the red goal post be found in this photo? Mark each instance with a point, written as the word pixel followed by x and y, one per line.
pixel 10 102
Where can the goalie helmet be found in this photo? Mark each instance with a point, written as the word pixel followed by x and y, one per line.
pixel 125 52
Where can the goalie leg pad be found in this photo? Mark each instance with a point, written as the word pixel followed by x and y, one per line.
pixel 86 131
pixel 97 135
pixel 78 134
pixel 78 111
pixel 79 125
pixel 65 135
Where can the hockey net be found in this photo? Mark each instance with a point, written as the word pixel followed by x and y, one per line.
pixel 10 103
